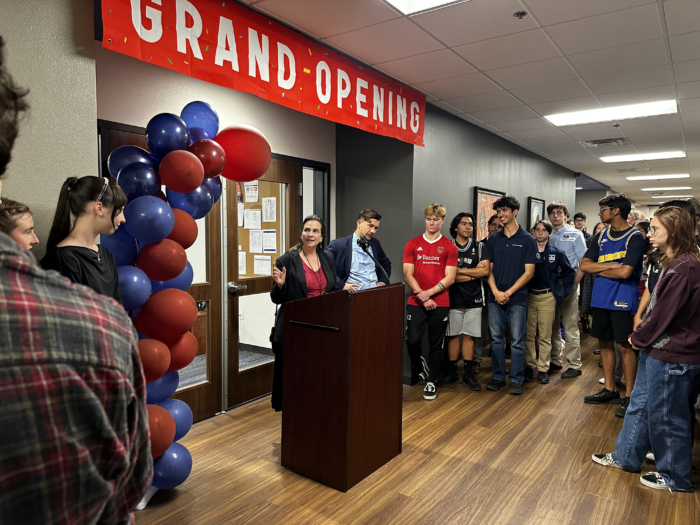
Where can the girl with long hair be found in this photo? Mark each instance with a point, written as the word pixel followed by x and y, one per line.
pixel 87 207
pixel 16 220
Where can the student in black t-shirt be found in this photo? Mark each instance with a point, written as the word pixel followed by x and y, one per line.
pixel 98 207
pixel 467 299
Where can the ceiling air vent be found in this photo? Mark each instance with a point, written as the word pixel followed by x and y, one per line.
pixel 633 170
pixel 605 142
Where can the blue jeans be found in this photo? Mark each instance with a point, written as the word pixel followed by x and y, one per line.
pixel 500 319
pixel 659 419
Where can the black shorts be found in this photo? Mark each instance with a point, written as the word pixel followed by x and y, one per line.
pixel 612 325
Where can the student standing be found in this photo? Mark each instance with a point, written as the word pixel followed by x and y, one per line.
pixel 16 221
pixel 429 268
pixel 513 260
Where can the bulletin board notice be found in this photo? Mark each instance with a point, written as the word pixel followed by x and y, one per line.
pixel 259 230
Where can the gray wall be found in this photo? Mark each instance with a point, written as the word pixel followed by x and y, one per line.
pixel 458 156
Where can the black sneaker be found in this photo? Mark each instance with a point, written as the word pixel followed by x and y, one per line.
pixel 495 385
pixel 529 374
pixel 603 396
pixel 622 409
pixel 429 392
pixel 515 389
pixel 571 373
pixel 554 368
pixel 471 382
pixel 449 379
pixel 596 351
pixel 543 378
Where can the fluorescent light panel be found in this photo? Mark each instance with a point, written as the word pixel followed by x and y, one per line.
pixel 579 188
pixel 409 7
pixel 660 177
pixel 669 188
pixel 645 156
pixel 648 109
pixel 671 197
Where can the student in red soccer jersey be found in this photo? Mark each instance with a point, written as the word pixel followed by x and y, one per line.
pixel 429 268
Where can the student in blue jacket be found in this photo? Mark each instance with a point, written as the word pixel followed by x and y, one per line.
pixel 552 282
pixel 354 269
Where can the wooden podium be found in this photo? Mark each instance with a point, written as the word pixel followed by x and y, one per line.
pixel 343 395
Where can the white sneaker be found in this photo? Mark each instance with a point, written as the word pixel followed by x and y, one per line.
pixel 606 460
pixel 651 457
pixel 654 480
pixel 429 392
pixel 601 380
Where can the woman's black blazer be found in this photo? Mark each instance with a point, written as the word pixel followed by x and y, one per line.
pixel 295 284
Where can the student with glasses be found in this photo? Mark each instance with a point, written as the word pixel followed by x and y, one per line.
pixel 616 256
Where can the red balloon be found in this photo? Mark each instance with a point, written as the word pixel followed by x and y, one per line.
pixel 182 351
pixel 185 230
pixel 248 153
pixel 166 315
pixel 163 260
pixel 211 155
pixel 181 171
pixel 162 426
pixel 155 358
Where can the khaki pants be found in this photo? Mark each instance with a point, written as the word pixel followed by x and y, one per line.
pixel 540 313
pixel 568 311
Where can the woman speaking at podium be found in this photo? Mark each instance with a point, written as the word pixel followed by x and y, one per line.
pixel 304 271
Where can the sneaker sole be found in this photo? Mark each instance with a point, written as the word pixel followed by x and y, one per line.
pixel 652 485
pixel 604 464
pixel 429 398
pixel 543 382
pixel 476 388
pixel 611 402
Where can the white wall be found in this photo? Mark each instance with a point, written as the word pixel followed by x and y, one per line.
pixel 587 202
pixel 50 50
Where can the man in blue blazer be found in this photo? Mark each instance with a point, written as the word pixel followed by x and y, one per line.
pixel 354 269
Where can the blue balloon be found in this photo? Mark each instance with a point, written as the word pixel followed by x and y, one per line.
pixel 141 336
pixel 197 203
pixel 122 245
pixel 172 468
pixel 181 282
pixel 202 117
pixel 125 155
pixel 139 179
pixel 198 134
pixel 215 185
pixel 149 219
pixel 162 388
pixel 165 133
pixel 182 414
pixel 135 285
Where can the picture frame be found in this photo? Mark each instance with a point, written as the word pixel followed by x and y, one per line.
pixel 483 210
pixel 536 211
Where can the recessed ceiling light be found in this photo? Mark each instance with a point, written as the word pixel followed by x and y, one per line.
pixel 669 188
pixel 590 116
pixel 645 156
pixel 669 197
pixel 660 177
pixel 579 188
pixel 410 7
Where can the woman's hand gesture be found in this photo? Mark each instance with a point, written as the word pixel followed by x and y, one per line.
pixel 279 276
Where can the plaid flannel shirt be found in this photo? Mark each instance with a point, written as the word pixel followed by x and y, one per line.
pixel 74 441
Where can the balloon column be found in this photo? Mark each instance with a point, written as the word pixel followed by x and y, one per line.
pixel 188 155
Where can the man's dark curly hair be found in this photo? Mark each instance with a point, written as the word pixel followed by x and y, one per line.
pixel 13 105
pixel 507 202
pixel 455 222
pixel 618 201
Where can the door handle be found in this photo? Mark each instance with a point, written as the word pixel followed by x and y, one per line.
pixel 233 287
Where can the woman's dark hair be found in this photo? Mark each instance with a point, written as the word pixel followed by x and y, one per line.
pixel 684 205
pixel 13 105
pixel 507 202
pixel 319 246
pixel 75 195
pixel 455 222
pixel 10 212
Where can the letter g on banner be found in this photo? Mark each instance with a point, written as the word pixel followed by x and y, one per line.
pixel 149 35
pixel 322 67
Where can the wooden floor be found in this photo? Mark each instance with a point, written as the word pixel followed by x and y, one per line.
pixel 468 458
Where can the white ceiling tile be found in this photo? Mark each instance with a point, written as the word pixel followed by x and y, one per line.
pixel 667 163
pixel 613 150
pixel 501 115
pixel 687 71
pixel 629 80
pixel 555 11
pixel 622 58
pixel 690 116
pixel 534 133
pixel 611 133
pixel 556 141
pixel 682 16
pixel 637 96
pixel 430 98
pixel 588 128
pixel 650 121
pixel 690 104
pixel 610 30
pixel 510 50
pixel 691 131
pixel 551 92
pixel 447 107
pixel 685 47
pixel 324 18
pixel 543 72
pixel 528 123
pixel 386 41
pixel 496 100
pixel 688 90
pixel 473 21
pixel 430 66
pixel 566 106
pixel 664 133
pixel 461 86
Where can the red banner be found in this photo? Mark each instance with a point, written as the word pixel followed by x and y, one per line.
pixel 228 44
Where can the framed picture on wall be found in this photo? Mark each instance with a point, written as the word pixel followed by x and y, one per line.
pixel 537 213
pixel 483 209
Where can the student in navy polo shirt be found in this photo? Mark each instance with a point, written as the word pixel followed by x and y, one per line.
pixel 616 256
pixel 513 256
